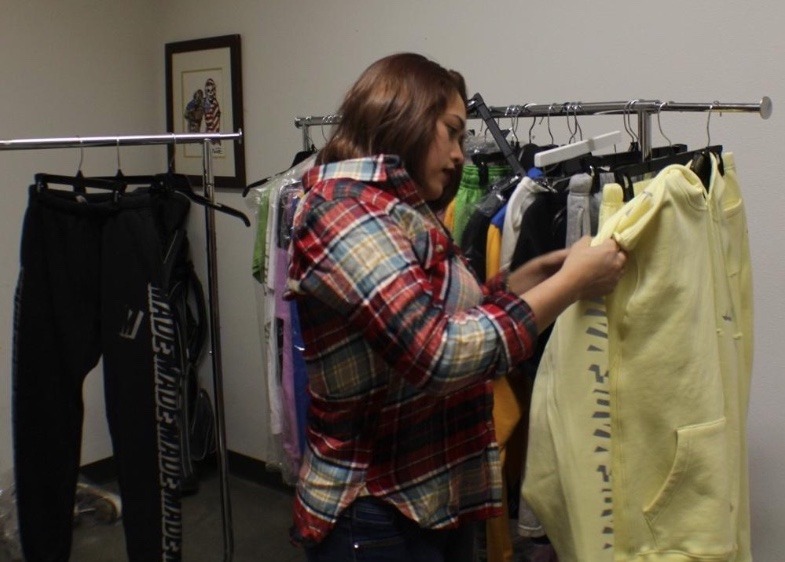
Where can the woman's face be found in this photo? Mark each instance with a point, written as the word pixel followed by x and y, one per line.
pixel 445 154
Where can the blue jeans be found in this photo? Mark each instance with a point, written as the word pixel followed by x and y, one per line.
pixel 371 530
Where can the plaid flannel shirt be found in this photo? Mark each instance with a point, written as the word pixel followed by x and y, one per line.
pixel 401 343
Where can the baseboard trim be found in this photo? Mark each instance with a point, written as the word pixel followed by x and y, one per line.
pixel 257 471
pixel 100 471
pixel 242 466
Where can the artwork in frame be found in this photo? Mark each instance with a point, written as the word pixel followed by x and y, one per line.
pixel 204 94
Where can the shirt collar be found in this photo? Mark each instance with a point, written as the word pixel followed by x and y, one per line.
pixel 381 169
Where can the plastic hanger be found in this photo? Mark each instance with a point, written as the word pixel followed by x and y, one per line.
pixel 613 160
pixel 701 161
pixel 299 157
pixel 624 174
pixel 124 181
pixel 579 148
pixel 574 149
pixel 482 161
pixel 180 183
pixel 78 181
pixel 633 155
pixel 171 181
pixel 79 186
pixel 476 103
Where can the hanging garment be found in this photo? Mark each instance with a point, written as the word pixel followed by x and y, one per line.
pixel 511 397
pixel 688 405
pixel 290 378
pixel 493 245
pixel 295 378
pixel 679 357
pixel 259 262
pixel 285 368
pixel 542 228
pixel 474 242
pixel 283 437
pixel 581 211
pixel 472 188
pixel 260 202
pixel 449 215
pixel 736 252
pixel 517 204
pixel 271 440
pixel 90 286
pixel 568 465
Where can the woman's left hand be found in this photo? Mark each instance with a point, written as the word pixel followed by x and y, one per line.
pixel 535 271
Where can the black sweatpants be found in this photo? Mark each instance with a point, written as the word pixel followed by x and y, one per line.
pixel 90 287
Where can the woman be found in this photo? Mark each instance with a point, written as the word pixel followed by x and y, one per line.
pixel 401 340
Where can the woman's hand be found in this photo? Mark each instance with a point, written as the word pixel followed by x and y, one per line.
pixel 594 270
pixel 535 271
pixel 586 272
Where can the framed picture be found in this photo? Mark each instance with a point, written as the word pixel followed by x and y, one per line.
pixel 204 93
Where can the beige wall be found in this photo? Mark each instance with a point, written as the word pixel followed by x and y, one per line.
pixel 79 67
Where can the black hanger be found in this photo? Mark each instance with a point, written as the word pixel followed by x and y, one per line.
pixel 614 160
pixel 258 183
pixel 701 164
pixel 78 181
pixel 476 103
pixel 299 157
pixel 481 160
pixel 592 163
pixel 624 174
pixel 178 182
pixel 504 186
pixel 528 151
pixel 701 160
pixel 488 159
pixel 303 155
pixel 125 181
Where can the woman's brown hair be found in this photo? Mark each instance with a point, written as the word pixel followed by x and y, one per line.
pixel 392 109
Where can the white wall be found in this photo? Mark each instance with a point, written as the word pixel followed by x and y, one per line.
pixel 84 73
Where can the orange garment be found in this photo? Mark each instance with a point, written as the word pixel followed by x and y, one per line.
pixel 493 251
pixel 511 396
pixel 449 215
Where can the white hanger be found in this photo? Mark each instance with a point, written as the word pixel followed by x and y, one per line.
pixel 567 151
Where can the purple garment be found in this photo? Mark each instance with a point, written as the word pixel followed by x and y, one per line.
pixel 301 396
pixel 291 445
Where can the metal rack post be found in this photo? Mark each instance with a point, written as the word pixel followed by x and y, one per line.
pixel 215 351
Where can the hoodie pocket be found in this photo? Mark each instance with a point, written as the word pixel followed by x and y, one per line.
pixel 692 511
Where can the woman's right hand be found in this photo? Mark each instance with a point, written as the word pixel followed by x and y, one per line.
pixel 594 270
pixel 587 272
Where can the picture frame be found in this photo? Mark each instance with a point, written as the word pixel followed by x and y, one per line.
pixel 204 93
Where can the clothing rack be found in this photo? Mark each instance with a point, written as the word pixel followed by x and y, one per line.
pixel 208 179
pixel 642 109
